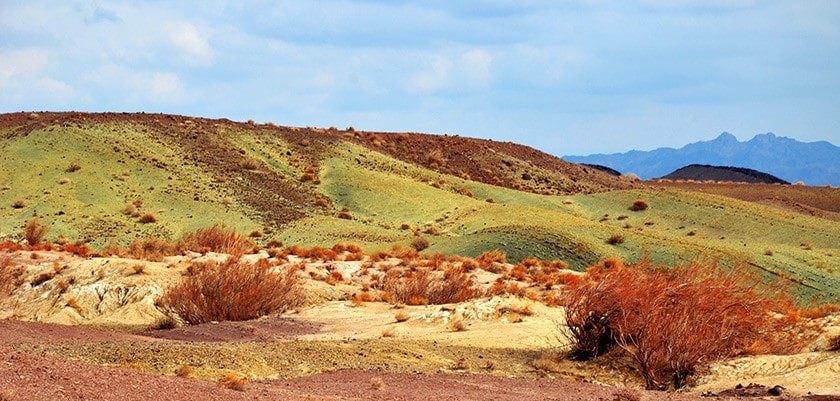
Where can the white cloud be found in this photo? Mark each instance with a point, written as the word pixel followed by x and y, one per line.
pixel 127 86
pixel 432 78
pixel 476 65
pixel 55 88
pixel 166 86
pixel 189 40
pixel 24 62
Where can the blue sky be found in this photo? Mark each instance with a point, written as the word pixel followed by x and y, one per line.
pixel 567 77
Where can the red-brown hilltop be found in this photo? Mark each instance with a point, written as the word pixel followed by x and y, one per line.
pixel 498 163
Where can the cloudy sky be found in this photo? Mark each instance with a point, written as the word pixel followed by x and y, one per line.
pixel 567 77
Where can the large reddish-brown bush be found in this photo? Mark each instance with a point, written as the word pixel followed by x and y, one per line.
pixel 671 320
pixel 233 290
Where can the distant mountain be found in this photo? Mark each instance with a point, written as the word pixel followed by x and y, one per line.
pixel 815 163
pixel 703 172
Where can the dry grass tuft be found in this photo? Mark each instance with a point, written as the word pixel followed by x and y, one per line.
pixel 639 205
pixel 488 259
pixel 377 383
pixel 147 218
pixel 456 323
pixel 185 371
pixel 233 381
pixel 217 238
pixel 34 231
pixel 401 316
pixel 615 239
pixel 420 243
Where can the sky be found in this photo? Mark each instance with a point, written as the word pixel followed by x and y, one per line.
pixel 566 77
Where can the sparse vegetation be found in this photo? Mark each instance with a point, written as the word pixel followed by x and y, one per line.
pixel 233 290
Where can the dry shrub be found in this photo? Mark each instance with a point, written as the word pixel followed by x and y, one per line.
pixel 18 204
pixel 73 167
pixel 615 239
pixel 184 371
pixel 377 383
pixel 456 324
pixel 420 243
pixel 401 316
pixel 217 238
pixel 487 259
pixel 639 205
pixel 345 214
pixel 425 286
pixel 75 248
pixel 152 248
pixel 147 218
pixel 233 381
pixel 34 231
pixel 670 320
pixel 233 290
pixel 249 164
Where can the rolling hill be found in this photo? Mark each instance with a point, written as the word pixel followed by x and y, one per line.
pixel 91 177
pixel 814 163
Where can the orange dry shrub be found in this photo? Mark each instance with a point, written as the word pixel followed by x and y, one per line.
pixel 487 259
pixel 671 320
pixel 379 256
pixel 233 290
pixel 411 287
pixel 519 273
pixel 217 238
pixel 76 249
pixel 233 382
pixel 9 246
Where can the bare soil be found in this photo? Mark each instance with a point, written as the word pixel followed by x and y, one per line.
pixel 26 375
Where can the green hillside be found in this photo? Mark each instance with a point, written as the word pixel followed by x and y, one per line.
pixel 291 184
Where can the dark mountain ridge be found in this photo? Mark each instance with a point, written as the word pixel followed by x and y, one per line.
pixel 704 172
